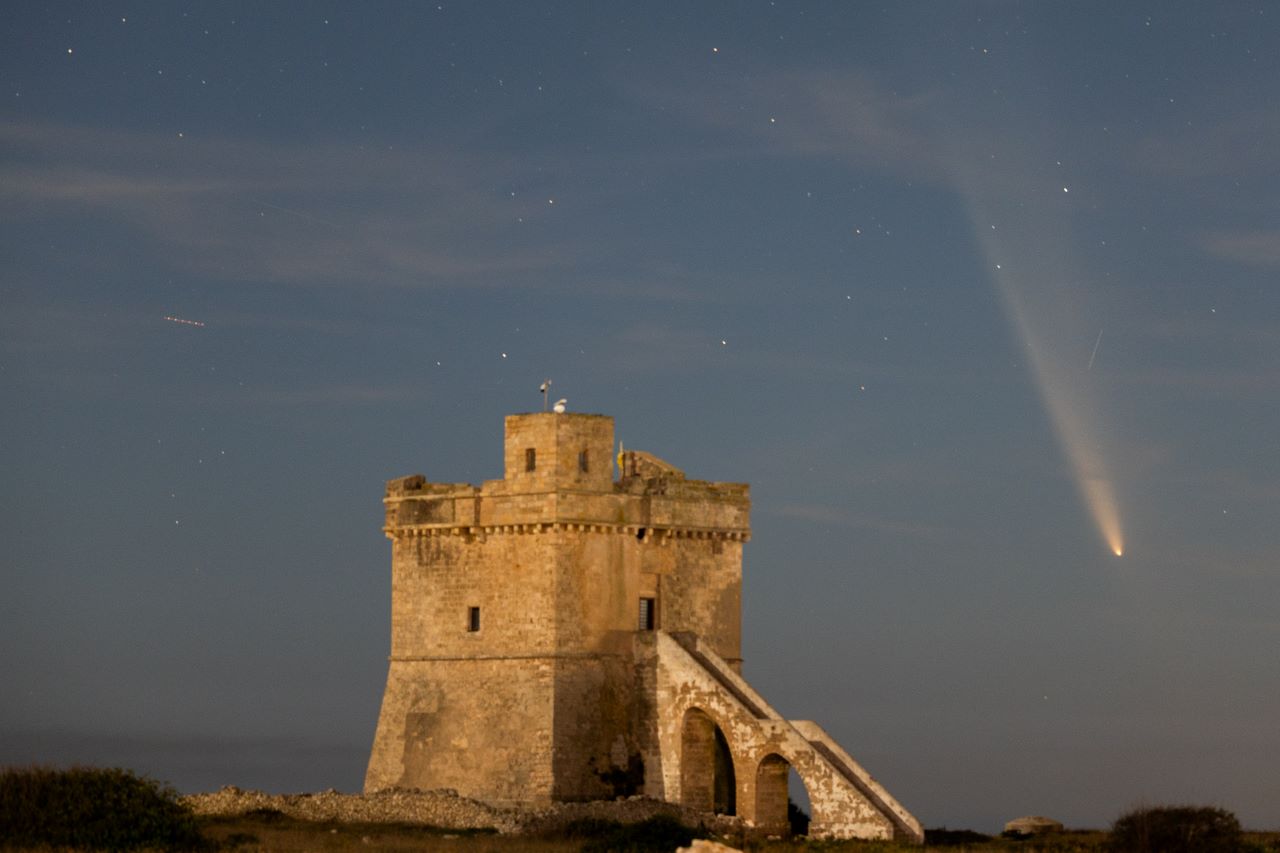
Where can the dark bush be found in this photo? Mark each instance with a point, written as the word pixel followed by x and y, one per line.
pixel 93 809
pixel 587 827
pixel 240 839
pixel 660 834
pixel 1177 829
pixel 943 837
pixel 266 814
pixel 798 818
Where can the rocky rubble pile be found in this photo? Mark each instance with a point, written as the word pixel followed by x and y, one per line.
pixel 437 808
pixel 443 808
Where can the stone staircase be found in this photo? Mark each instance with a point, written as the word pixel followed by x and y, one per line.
pixel 846 801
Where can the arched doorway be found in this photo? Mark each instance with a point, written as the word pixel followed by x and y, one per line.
pixel 782 800
pixel 726 785
pixel 707 780
pixel 771 795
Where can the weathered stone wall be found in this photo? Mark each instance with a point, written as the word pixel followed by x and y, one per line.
pixel 463 709
pixel 702 593
pixel 481 727
pixel 435 580
pixel 595 751
pixel 557 441
pixel 594 617
pixel 595 599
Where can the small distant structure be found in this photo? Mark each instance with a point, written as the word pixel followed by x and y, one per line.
pixel 563 635
pixel 1033 825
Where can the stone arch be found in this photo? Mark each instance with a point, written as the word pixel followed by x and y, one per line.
pixel 771 794
pixel 707 781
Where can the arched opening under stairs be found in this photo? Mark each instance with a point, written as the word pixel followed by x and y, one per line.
pixel 707 780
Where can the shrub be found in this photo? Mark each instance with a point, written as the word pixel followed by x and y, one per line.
pixel 586 827
pixel 798 818
pixel 660 834
pixel 240 839
pixel 1177 829
pixel 943 837
pixel 92 808
pixel 266 814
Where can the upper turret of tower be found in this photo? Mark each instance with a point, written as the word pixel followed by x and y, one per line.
pixel 549 451
pixel 559 468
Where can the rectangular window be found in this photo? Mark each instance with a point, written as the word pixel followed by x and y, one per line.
pixel 530 459
pixel 582 461
pixel 648 614
pixel 473 619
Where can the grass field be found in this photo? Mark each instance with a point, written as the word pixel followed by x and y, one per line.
pixel 63 811
pixel 281 834
pixel 274 833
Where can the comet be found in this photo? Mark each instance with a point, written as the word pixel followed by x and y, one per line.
pixel 1032 268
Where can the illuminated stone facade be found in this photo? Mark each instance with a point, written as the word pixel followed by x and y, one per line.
pixel 563 635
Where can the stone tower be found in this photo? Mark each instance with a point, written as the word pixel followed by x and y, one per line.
pixel 560 635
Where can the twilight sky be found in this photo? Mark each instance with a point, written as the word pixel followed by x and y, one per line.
pixel 970 293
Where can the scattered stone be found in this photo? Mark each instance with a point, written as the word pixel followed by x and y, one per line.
pixel 435 808
pixel 444 808
pixel 702 845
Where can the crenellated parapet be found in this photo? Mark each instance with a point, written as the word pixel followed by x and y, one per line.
pixel 657 536
pixel 652 500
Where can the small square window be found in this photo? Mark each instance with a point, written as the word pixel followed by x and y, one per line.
pixel 648 614
pixel 582 461
pixel 530 459
pixel 473 619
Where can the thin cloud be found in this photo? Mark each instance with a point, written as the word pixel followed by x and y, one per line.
pixel 308 214
pixel 1222 383
pixel 647 348
pixel 1251 248
pixel 840 115
pixel 1242 146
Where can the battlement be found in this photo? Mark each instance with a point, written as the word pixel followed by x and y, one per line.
pixel 559 470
